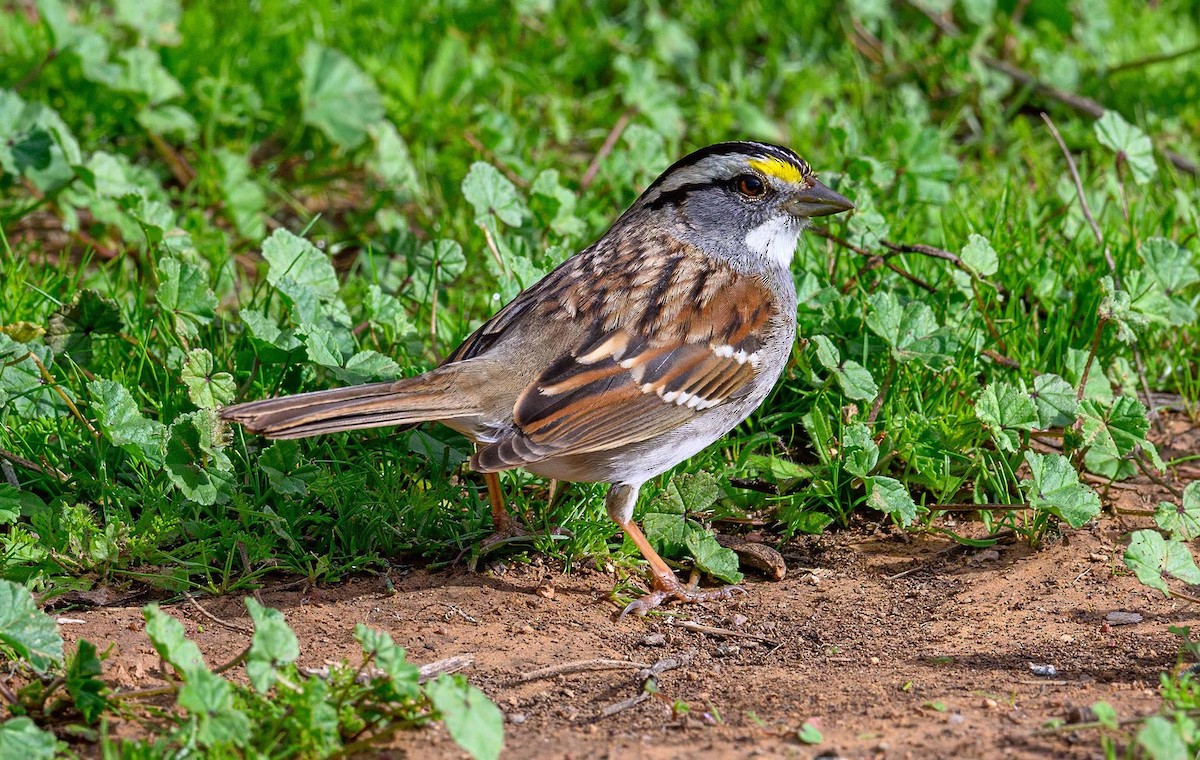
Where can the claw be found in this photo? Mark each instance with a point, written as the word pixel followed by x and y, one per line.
pixel 665 589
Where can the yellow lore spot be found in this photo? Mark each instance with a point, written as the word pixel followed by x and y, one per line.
pixel 777 168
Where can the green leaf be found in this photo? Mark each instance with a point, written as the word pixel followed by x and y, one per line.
pixel 184 292
pixel 911 331
pixel 889 496
pixel 809 734
pixel 296 267
pixel 210 700
pixel 31 150
pixel 1055 488
pixel 1112 435
pixel 206 389
pixel 490 193
pixel 273 646
pixel 1160 292
pixel 121 422
pixel 1106 715
pixel 338 97
pixel 281 462
pixel 687 492
pixel 1117 307
pixel 195 462
pixel 21 388
pixel 473 721
pixel 142 72
pixel 391 160
pixel 1183 520
pixel 711 557
pixel 83 682
pixel 14 503
pixel 979 256
pixel 72 326
pixel 391 659
pixel 28 631
pixel 1127 140
pixel 1164 740
pixel 169 121
pixel 167 636
pixel 1150 557
pixel 368 366
pixel 855 380
pixel 1055 400
pixel 666 532
pixel 1004 409
pixel 860 453
pixel 21 739
pixel 155 21
pixel 245 199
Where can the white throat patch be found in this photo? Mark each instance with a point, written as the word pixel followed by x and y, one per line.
pixel 775 240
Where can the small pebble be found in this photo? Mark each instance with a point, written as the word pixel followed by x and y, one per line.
pixel 874 660
pixel 654 640
pixel 1123 618
pixel 989 704
pixel 1043 670
pixel 516 718
pixel 738 621
pixel 987 555
pixel 728 650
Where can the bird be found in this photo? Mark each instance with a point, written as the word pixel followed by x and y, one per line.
pixel 633 355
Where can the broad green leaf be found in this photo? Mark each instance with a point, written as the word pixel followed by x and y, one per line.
pixel 687 492
pixel 21 739
pixel 1055 401
pixel 121 421
pixel 563 220
pixel 1170 274
pixel 889 496
pixel 439 262
pixel 711 557
pixel 1113 434
pixel 860 453
pixel 338 97
pixel 473 721
pixel 1127 140
pixel 1163 739
pixel 1181 520
pixel 36 143
pixel 867 226
pixel 911 331
pixel 207 388
pixel 667 533
pixel 391 659
pixel 210 700
pixel 490 193
pixel 1150 557
pixel 1117 307
pixel 808 733
pixel 296 266
pixel 368 366
pixel 855 380
pixel 281 462
pixel 83 682
pixel 195 462
pixel 167 636
pixel 72 326
pixel 29 632
pixel 385 310
pixel 979 256
pixel 1004 409
pixel 142 72
pixel 273 646
pixel 22 390
pixel 184 292
pixel 245 199
pixel 169 121
pixel 1106 715
pixel 391 160
pixel 321 345
pixel 1055 488
pixel 155 21
pixel 14 503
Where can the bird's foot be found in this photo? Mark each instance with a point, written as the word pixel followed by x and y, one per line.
pixel 669 587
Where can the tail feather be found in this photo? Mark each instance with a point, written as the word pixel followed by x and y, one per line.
pixel 425 398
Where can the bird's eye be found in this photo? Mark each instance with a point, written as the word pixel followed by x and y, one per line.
pixel 750 186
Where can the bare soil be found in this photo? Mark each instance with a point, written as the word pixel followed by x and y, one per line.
pixel 893 645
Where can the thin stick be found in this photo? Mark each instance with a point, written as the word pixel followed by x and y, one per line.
pixel 623 705
pixel 1150 60
pixel 47 470
pixel 513 177
pixel 223 623
pixel 610 142
pixel 691 625
pixel 580 666
pixel 61 393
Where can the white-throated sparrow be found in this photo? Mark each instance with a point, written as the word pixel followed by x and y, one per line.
pixel 630 357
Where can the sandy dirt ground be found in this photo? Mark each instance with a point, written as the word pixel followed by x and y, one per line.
pixel 893 645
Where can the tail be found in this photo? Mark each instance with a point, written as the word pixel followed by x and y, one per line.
pixel 428 397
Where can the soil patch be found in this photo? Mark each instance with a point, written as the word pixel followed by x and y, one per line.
pixel 895 646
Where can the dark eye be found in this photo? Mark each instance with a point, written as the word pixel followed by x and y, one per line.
pixel 750 186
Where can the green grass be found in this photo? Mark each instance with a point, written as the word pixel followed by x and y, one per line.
pixel 153 159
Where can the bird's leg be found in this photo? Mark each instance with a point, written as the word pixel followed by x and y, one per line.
pixel 620 501
pixel 504 526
